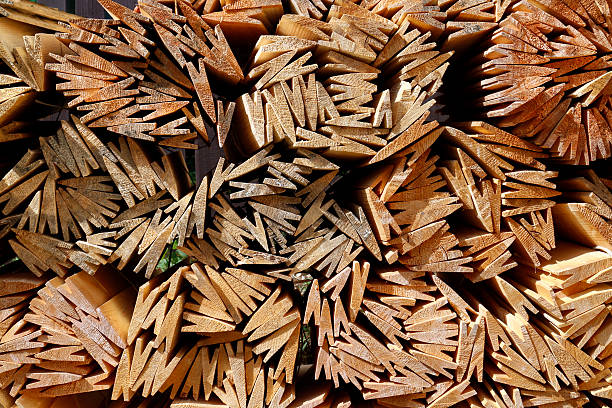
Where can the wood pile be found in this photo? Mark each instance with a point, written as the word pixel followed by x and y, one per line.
pixel 352 245
pixel 544 76
pixel 68 338
pixel 26 43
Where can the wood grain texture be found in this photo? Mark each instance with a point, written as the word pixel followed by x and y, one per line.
pixel 341 246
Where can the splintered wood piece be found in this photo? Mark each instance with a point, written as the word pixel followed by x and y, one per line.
pixel 22 192
pixel 224 120
pixel 127 16
pixel 585 225
pixel 88 58
pixel 359 277
pixel 202 87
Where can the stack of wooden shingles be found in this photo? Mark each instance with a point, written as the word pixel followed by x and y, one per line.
pixel 292 223
pixel 130 85
pixel 229 359
pixel 354 307
pixel 69 338
pixel 545 77
pixel 399 333
pixel 548 329
pixel 546 321
pixel 27 40
pixel 323 112
pixel 455 25
pixel 506 197
pixel 369 347
pixel 82 203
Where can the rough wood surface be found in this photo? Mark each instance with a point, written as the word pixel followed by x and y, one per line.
pixel 355 243
pixel 25 47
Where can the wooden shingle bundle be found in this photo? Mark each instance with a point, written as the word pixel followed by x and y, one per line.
pixel 124 82
pixel 299 229
pixel 316 87
pixel 82 202
pixel 507 196
pixel 69 338
pixel 547 329
pixel 544 76
pixel 26 43
pixel 192 334
pixel 402 305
